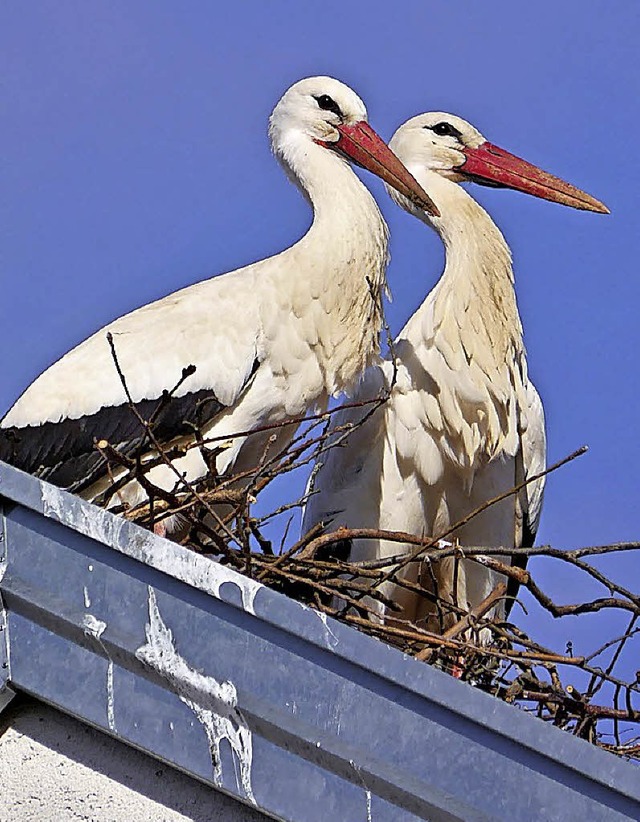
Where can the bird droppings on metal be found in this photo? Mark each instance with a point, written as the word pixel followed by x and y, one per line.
pixel 52 504
pixel 5 646
pixel 91 521
pixel 213 703
pixel 327 631
pixel 3 549
pixel 111 712
pixel 367 791
pixel 93 627
pixel 202 573
pixel 87 598
pixel 248 587
pixel 104 527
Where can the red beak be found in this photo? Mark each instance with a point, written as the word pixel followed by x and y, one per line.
pixel 489 165
pixel 363 146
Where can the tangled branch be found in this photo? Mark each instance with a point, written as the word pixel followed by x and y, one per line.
pixel 593 695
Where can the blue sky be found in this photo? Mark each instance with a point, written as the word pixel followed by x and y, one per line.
pixel 136 162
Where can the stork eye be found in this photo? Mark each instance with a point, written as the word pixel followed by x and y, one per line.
pixel 327 103
pixel 445 130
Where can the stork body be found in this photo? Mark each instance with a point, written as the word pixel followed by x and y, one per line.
pixel 463 421
pixel 267 341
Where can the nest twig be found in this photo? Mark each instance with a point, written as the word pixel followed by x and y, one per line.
pixel 593 694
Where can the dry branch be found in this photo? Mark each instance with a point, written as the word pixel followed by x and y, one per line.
pixel 558 686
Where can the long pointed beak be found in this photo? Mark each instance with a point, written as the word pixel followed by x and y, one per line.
pixel 361 144
pixel 489 165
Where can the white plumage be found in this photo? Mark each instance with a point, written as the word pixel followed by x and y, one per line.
pixel 267 341
pixel 463 421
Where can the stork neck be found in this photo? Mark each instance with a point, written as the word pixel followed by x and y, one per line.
pixel 336 194
pixel 345 260
pixel 476 288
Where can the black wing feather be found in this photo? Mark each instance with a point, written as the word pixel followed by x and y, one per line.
pixel 64 452
pixel 519 561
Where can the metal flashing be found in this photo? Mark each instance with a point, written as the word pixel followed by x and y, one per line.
pixel 6 693
pixel 262 697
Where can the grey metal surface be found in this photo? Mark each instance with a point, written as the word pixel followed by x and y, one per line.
pixel 6 692
pixel 247 690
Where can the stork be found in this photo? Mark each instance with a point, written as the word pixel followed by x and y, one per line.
pixel 463 422
pixel 265 342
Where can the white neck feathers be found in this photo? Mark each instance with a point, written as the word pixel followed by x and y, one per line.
pixel 474 303
pixel 339 265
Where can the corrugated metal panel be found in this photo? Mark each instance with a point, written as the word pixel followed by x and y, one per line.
pixel 262 697
pixel 6 693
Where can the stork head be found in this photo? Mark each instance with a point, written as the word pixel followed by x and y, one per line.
pixel 453 148
pixel 321 111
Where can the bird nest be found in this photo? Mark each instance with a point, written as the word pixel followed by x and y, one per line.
pixel 589 692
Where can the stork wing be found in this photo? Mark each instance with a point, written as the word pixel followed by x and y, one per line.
pixel 532 459
pixel 213 326
pixel 344 488
pixel 534 454
pixel 65 452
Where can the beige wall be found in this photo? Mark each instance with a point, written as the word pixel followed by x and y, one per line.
pixel 55 769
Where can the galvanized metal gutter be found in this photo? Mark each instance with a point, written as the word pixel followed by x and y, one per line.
pixel 260 696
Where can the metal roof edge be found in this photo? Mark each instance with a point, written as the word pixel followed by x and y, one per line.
pixel 408 679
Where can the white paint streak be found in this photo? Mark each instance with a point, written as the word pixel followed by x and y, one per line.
pixel 87 600
pixel 213 703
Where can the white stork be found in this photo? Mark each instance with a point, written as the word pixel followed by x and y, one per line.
pixel 267 341
pixel 463 421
